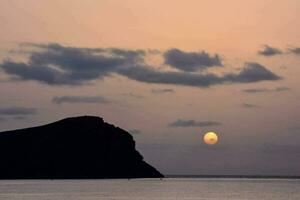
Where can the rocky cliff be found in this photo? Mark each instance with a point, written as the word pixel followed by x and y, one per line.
pixel 79 147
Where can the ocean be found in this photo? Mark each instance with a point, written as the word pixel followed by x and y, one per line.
pixel 152 189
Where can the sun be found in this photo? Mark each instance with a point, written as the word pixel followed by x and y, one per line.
pixel 210 138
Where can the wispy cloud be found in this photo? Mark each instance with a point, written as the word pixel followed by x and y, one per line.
pixel 266 90
pixel 79 99
pixel 281 89
pixel 19 117
pixel 162 91
pixel 193 123
pixel 137 96
pixel 16 112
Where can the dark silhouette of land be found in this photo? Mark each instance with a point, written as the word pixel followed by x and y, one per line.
pixel 73 148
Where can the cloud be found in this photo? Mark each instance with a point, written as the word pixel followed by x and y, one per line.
pixel 192 123
pixel 19 117
pixel 281 89
pixel 17 113
pixel 79 99
pixel 250 106
pixel 137 96
pixel 54 64
pixel 294 50
pixel 265 90
pixel 252 72
pixel 269 51
pixel 162 91
pixel 148 75
pixel 256 90
pixel 190 61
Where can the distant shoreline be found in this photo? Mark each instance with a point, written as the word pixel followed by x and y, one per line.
pixel 256 177
pixel 234 176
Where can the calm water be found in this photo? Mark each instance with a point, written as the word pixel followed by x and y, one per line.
pixel 146 189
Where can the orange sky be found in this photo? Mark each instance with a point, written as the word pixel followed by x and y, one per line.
pixel 234 29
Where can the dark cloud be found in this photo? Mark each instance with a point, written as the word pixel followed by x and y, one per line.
pixel 269 51
pixel 148 75
pixel 162 91
pixel 190 61
pixel 193 123
pixel 250 106
pixel 79 99
pixel 54 64
pixel 265 90
pixel 58 65
pixel 252 72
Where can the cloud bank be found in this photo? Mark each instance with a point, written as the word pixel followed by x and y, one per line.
pixel 54 64
pixel 252 72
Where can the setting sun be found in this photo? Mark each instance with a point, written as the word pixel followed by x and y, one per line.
pixel 210 138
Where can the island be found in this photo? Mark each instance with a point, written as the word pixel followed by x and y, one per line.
pixel 82 147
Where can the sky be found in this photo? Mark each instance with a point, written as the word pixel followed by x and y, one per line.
pixel 167 71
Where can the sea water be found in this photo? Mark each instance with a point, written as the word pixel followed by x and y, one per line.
pixel 150 189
